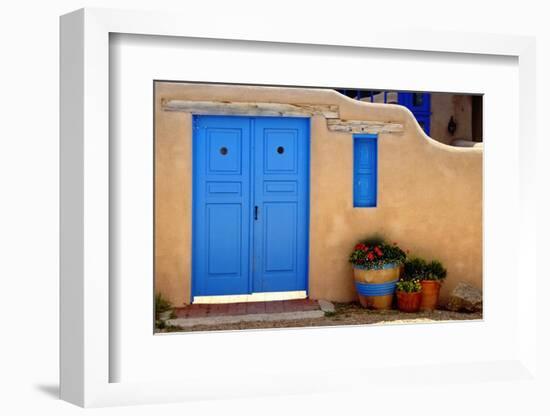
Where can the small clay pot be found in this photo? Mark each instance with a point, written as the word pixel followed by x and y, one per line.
pixel 408 302
pixel 430 294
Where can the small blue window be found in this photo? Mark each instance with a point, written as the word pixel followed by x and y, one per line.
pixel 365 170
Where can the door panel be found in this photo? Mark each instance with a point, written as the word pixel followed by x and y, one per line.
pixel 280 244
pixel 281 180
pixel 221 233
pixel 224 236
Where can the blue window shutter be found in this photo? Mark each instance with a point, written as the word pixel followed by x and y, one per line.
pixel 365 170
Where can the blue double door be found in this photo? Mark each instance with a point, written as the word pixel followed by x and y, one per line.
pixel 250 204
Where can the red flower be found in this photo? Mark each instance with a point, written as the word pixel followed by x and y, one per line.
pixel 370 256
pixel 360 246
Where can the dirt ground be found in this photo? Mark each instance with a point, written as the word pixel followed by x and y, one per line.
pixel 345 314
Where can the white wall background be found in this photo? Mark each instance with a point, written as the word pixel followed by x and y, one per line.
pixel 29 57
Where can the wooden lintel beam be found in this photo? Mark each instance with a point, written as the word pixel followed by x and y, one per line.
pixel 251 109
pixel 329 111
pixel 362 126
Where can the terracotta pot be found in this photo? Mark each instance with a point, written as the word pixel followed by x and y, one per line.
pixel 408 302
pixel 376 287
pixel 430 294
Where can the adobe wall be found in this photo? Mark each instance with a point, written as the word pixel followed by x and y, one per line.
pixel 429 199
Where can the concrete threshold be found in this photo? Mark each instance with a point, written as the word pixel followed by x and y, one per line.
pixel 235 319
pixel 254 297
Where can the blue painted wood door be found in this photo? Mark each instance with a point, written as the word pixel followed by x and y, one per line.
pixel 281 177
pixel 221 214
pixel 250 204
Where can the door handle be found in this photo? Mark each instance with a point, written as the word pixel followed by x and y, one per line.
pixel 256 212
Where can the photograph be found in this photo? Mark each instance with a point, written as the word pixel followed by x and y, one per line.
pixel 268 208
pixel 287 207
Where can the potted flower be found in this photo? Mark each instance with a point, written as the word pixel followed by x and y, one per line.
pixel 409 295
pixel 431 284
pixel 430 275
pixel 376 270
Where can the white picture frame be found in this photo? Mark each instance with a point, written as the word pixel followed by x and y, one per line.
pixel 86 356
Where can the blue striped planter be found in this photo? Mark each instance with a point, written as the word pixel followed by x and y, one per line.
pixel 376 295
pixel 376 289
pixel 376 286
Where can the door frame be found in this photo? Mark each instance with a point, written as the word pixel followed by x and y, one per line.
pixel 194 198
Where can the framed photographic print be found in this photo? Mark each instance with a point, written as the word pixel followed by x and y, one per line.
pixel 266 208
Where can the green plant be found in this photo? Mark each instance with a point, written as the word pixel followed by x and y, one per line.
pixel 373 253
pixel 161 305
pixel 409 286
pixel 435 271
pixel 416 268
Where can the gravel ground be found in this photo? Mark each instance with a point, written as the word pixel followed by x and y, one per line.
pixel 346 314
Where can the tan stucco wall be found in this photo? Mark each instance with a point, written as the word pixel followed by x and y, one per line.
pixel 429 200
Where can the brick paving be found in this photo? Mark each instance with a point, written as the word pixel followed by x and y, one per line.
pixel 246 308
pixel 236 317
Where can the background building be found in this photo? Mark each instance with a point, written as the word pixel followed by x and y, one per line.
pixel 454 119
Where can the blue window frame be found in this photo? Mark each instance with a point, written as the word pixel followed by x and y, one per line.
pixel 365 170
